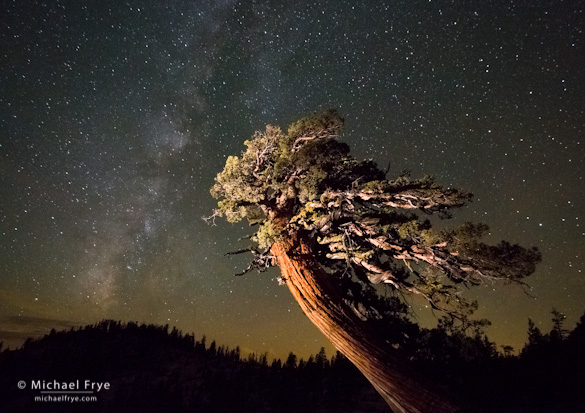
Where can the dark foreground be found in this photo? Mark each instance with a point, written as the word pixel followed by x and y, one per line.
pixel 146 368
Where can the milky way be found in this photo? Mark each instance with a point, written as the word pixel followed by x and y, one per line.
pixel 116 116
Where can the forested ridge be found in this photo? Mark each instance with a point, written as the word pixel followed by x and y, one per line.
pixel 157 368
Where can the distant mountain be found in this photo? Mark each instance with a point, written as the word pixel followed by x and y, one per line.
pixel 147 368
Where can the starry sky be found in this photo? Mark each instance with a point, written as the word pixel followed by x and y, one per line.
pixel 115 117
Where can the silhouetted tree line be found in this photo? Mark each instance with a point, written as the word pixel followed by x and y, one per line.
pixel 553 366
pixel 156 368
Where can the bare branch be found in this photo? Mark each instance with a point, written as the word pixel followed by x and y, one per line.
pixel 261 262
pixel 210 220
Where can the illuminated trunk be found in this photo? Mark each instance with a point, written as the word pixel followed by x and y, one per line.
pixel 320 300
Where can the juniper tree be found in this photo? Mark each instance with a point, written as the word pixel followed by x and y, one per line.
pixel 337 227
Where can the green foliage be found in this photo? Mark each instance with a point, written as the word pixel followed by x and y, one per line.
pixel 230 209
pixel 464 239
pixel 276 167
pixel 364 228
pixel 418 231
pixel 254 214
pixel 326 124
pixel 409 229
pixel 309 185
pixel 375 186
pixel 429 237
pixel 310 218
pixel 266 235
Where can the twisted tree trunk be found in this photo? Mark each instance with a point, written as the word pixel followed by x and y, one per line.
pixel 320 300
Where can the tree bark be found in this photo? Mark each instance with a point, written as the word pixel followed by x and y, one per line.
pixel 320 299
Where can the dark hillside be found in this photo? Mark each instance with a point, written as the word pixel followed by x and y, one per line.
pixel 152 369
pixel 156 369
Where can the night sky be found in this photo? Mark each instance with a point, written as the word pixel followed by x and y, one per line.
pixel 116 116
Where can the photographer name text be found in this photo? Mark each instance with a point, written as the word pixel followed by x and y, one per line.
pixel 75 385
